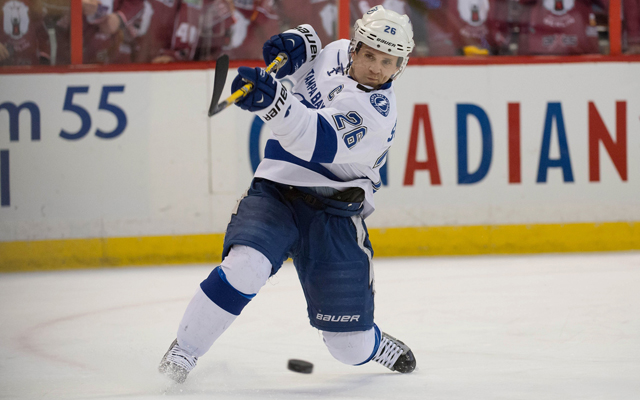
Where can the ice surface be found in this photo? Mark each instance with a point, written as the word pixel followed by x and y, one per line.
pixel 508 327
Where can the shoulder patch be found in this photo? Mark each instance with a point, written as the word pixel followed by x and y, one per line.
pixel 380 103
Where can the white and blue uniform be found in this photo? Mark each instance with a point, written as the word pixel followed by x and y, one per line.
pixel 333 132
pixel 310 194
pixel 308 200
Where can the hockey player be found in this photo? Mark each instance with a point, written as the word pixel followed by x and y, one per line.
pixel 311 192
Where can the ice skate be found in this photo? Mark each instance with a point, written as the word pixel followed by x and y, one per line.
pixel 395 355
pixel 177 363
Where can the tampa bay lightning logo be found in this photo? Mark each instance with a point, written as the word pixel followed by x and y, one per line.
pixel 380 103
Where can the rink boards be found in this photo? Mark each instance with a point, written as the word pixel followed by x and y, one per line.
pixel 119 168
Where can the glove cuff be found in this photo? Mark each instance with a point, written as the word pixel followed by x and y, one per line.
pixel 311 40
pixel 278 109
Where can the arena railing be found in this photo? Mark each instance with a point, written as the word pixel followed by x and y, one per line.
pixel 344 21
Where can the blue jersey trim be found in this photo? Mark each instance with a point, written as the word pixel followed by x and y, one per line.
pixel 306 103
pixel 380 159
pixel 274 151
pixel 326 142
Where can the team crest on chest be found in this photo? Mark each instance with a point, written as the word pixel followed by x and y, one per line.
pixel 380 103
pixel 16 19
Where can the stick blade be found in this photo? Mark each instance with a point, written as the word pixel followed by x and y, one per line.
pixel 218 107
pixel 219 80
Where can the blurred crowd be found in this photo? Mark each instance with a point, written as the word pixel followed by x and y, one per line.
pixel 37 32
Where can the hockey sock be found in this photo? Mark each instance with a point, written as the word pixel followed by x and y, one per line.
pixel 221 297
pixel 211 311
pixel 219 290
pixel 352 348
pixel 378 338
pixel 202 324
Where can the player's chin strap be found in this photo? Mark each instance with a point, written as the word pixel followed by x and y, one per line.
pixel 368 89
pixel 365 88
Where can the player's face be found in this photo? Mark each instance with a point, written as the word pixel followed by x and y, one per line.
pixel 372 67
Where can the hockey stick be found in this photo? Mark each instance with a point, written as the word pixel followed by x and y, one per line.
pixel 218 85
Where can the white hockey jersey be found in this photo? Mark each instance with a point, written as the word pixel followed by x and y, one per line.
pixel 329 131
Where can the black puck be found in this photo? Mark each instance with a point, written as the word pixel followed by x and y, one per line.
pixel 301 366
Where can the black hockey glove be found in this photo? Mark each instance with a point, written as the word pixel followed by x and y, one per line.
pixel 289 43
pixel 262 94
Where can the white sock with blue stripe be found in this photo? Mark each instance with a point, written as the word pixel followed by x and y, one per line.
pixel 352 348
pixel 221 297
